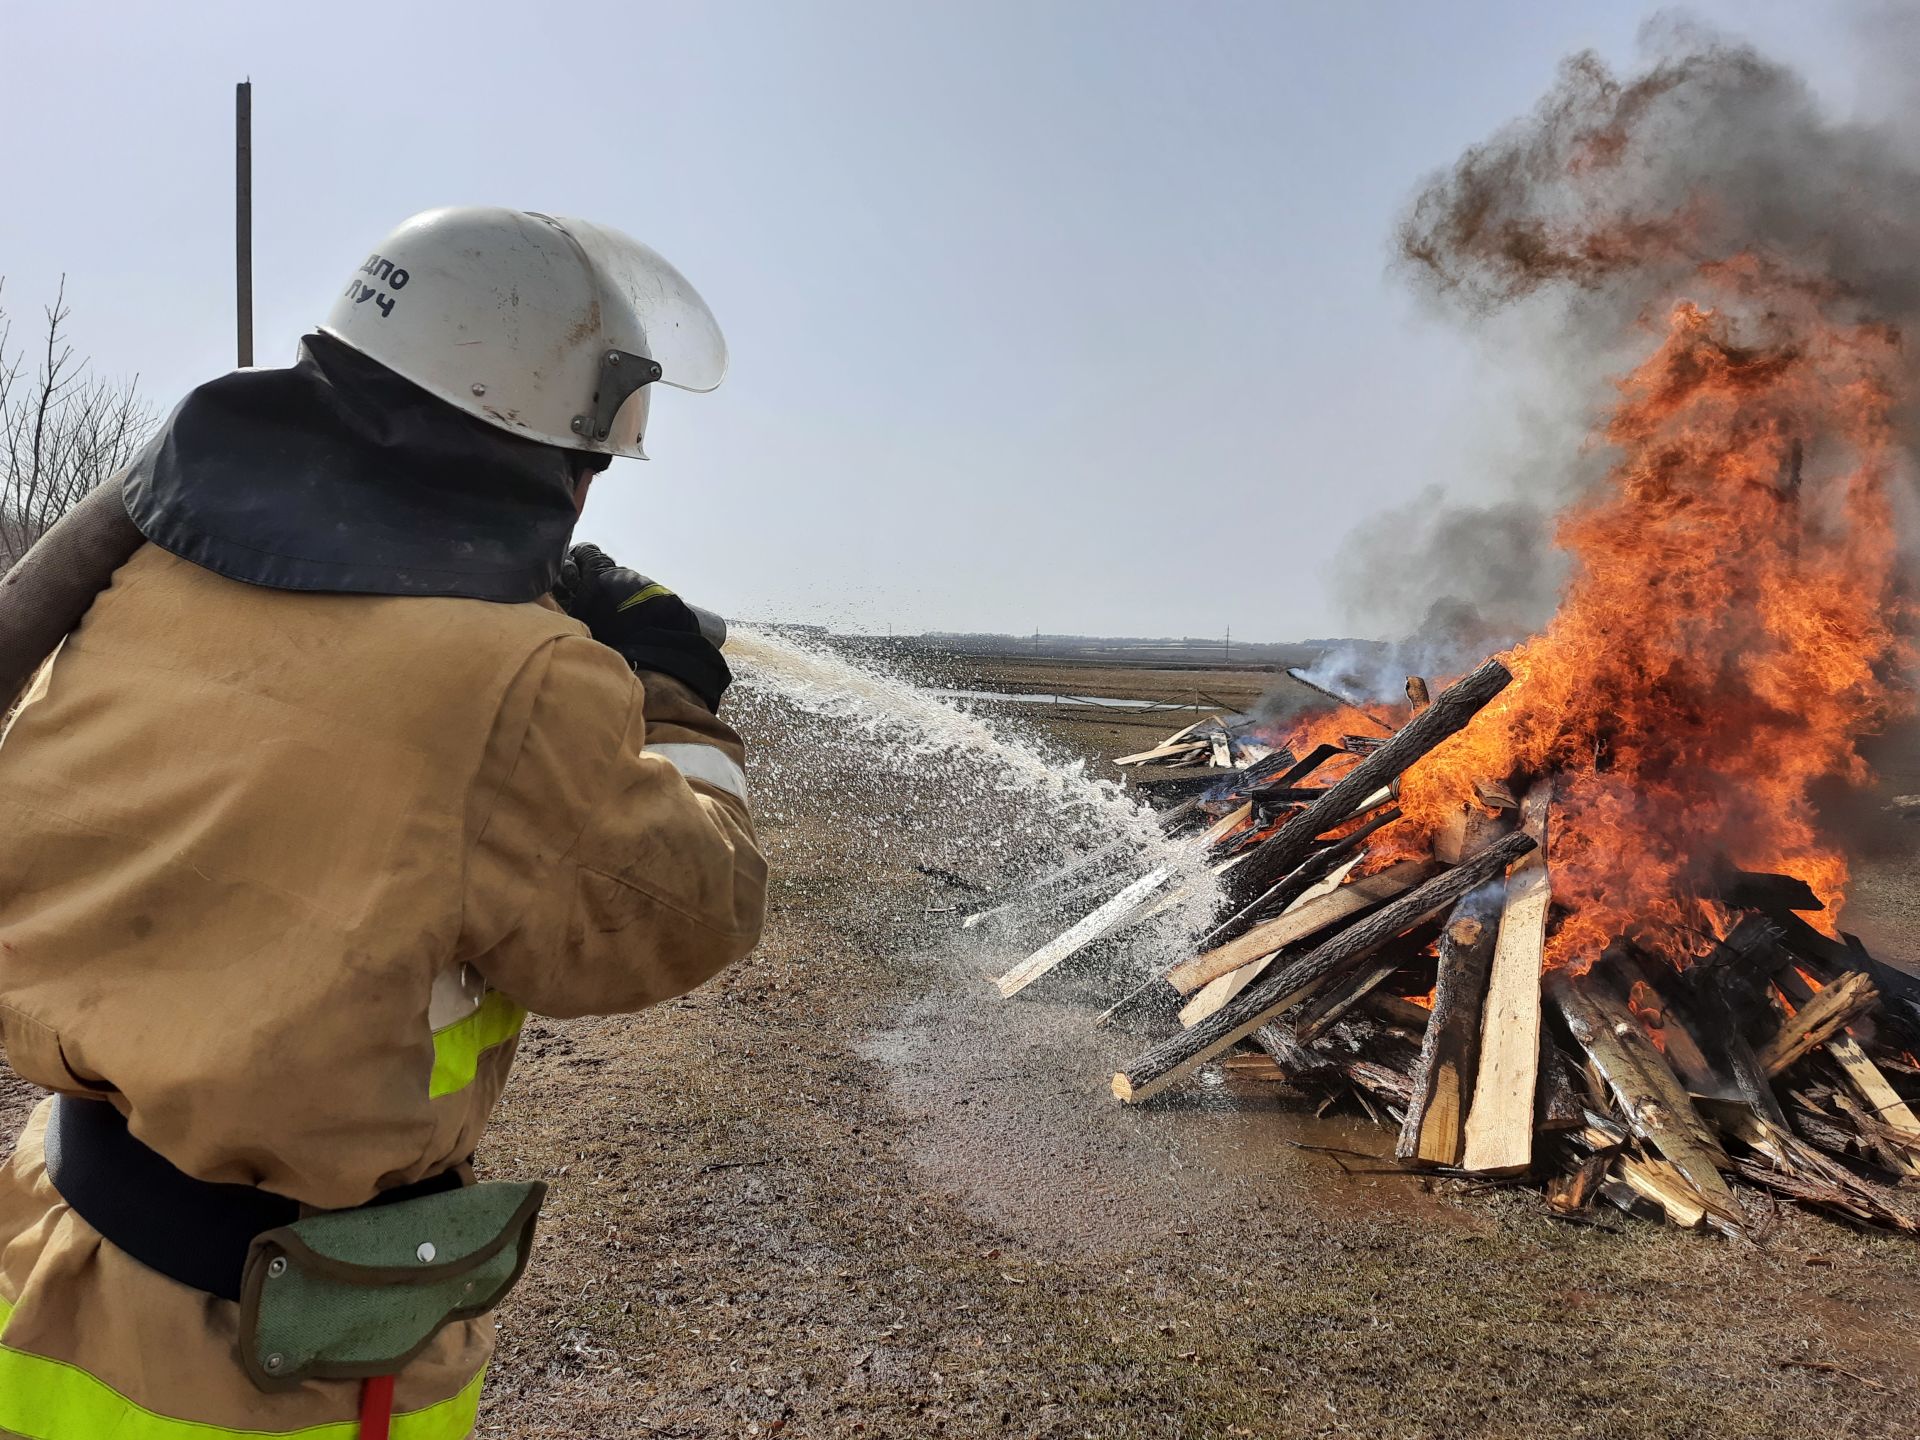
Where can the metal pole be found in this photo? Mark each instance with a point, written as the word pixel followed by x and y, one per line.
pixel 243 216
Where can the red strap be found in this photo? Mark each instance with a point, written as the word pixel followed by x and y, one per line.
pixel 376 1407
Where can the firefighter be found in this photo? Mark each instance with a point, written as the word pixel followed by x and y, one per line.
pixel 321 797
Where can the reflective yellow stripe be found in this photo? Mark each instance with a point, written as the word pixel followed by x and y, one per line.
pixel 457 1049
pixel 640 597
pixel 46 1399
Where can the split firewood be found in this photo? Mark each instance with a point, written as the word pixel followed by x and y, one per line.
pixel 1657 1109
pixel 1418 695
pixel 1499 1132
pixel 1789 1165
pixel 1801 938
pixel 1468 829
pixel 1571 1193
pixel 1448 714
pixel 1276 993
pixel 1662 1002
pixel 1883 1107
pixel 1665 1185
pixel 1823 1016
pixel 1245 1065
pixel 1435 1129
pixel 1222 988
pixel 1299 923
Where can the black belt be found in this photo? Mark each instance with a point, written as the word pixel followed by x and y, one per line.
pixel 189 1230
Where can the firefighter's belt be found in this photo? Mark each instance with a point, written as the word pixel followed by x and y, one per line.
pixel 189 1230
pixel 354 1293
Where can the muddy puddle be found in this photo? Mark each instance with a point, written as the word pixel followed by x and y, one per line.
pixel 1007 1105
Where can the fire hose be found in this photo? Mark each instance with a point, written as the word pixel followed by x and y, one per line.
pixel 44 595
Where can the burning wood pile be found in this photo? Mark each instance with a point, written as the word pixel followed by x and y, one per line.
pixel 1573 919
pixel 1780 1056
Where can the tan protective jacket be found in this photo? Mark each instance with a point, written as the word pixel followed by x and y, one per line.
pixel 277 873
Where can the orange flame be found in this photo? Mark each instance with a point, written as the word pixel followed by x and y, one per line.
pixel 1726 630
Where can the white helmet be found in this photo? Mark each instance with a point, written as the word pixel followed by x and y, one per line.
pixel 548 327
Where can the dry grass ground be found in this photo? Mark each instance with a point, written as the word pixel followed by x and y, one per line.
pixel 845 1191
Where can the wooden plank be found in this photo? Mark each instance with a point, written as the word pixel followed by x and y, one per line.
pixel 1883 1101
pixel 1273 994
pixel 1434 1132
pixel 1447 716
pixel 1299 922
pixel 1163 752
pixel 1499 1134
pixel 1079 936
pixel 1222 988
pixel 1657 1109
pixel 1226 825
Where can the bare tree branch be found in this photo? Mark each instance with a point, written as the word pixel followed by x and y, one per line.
pixel 62 435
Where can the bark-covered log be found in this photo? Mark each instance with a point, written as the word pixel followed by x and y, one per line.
pixel 1335 1001
pixel 1560 1103
pixel 1801 938
pixel 1276 993
pixel 1448 714
pixel 1435 1128
pixel 1302 877
pixel 1299 1063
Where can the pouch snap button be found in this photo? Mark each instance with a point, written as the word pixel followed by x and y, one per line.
pixel 276 1267
pixel 426 1252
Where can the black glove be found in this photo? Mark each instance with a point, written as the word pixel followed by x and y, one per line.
pixel 647 623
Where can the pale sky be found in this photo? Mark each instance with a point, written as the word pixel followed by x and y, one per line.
pixel 1060 314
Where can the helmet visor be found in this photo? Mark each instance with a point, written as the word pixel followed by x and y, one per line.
pixel 675 327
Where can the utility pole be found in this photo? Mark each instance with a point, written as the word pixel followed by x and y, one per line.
pixel 243 218
pixel 1227 652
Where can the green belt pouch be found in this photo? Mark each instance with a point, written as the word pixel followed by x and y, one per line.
pixel 352 1294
